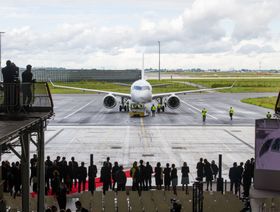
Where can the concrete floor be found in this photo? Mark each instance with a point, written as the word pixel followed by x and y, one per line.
pixel 82 126
pixel 88 110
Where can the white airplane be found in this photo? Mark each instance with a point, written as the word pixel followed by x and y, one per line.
pixel 140 93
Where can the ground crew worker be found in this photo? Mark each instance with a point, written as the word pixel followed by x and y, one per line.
pixel 153 109
pixel 127 106
pixel 204 113
pixel 158 107
pixel 231 111
pixel 268 115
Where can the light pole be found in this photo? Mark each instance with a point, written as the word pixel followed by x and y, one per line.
pixel 159 60
pixel 0 50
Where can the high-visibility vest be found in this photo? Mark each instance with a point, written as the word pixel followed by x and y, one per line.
pixel 231 111
pixel 153 108
pixel 204 112
pixel 158 105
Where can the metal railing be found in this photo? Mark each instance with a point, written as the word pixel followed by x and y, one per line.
pixel 25 97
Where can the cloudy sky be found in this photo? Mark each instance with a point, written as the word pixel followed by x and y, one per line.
pixel 223 34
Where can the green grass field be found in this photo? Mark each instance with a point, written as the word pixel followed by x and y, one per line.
pixel 225 74
pixel 241 85
pixel 266 102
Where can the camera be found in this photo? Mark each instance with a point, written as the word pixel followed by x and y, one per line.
pixel 176 206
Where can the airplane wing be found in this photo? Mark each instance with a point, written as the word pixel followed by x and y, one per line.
pixel 92 90
pixel 190 91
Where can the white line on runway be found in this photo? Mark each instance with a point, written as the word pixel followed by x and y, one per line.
pixel 198 109
pixel 76 111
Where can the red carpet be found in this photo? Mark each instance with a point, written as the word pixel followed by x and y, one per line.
pixel 75 189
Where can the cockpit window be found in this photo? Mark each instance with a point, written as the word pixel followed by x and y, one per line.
pixel 276 145
pixel 265 147
pixel 141 88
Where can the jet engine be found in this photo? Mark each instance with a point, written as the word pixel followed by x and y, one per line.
pixel 173 102
pixel 109 101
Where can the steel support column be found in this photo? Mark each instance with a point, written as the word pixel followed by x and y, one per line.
pixel 24 139
pixel 41 168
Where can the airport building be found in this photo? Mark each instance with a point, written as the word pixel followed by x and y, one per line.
pixel 70 75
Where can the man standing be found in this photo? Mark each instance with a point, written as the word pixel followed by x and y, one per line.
pixel 153 109
pixel 200 170
pixel 82 175
pixel 231 111
pixel 142 175
pixel 115 171
pixel 92 171
pixel 26 86
pixel 9 77
pixel 121 179
pixel 105 176
pixel 204 113
pixel 149 172
pixel 234 178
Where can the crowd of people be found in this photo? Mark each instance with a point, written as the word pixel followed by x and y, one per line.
pixel 62 176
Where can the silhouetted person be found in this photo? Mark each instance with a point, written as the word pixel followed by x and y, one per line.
pixel 63 169
pixel 5 175
pixel 158 176
pixel 174 178
pixel 33 167
pixel 240 173
pixel 48 171
pixel 142 175
pixel 252 167
pixel 27 80
pixel 134 173
pixel 74 169
pixel 185 176
pixel 55 181
pixel 69 177
pixel 149 172
pixel 109 165
pixel 215 169
pixel 92 171
pixel 208 174
pixel 79 207
pixel 121 179
pixel 105 176
pixel 61 195
pixel 167 177
pixel 82 175
pixel 9 78
pixel 200 169
pixel 115 170
pixel 234 178
pixel 16 171
pixel 247 178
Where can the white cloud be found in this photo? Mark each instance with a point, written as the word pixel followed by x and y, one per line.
pixel 208 29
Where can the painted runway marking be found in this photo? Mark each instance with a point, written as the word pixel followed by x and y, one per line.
pixel 76 111
pixel 198 109
pixel 244 142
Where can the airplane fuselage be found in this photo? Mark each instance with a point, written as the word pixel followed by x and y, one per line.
pixel 141 92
